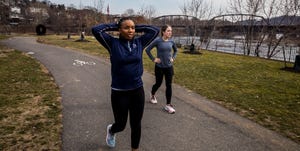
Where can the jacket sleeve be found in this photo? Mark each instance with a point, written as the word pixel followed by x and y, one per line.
pixel 102 37
pixel 150 33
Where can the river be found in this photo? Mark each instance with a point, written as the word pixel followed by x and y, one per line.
pixel 235 47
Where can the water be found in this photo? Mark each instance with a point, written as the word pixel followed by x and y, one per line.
pixel 235 47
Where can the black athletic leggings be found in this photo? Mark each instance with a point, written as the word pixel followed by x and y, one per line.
pixel 159 75
pixel 131 101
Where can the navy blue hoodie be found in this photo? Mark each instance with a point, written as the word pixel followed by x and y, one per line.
pixel 125 56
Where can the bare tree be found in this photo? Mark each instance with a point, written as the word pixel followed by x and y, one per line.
pixel 276 13
pixel 253 9
pixel 4 14
pixel 99 4
pixel 57 17
pixel 39 13
pixel 147 11
pixel 129 12
pixel 184 8
pixel 197 8
pixel 279 13
pixel 98 14
pixel 201 11
pixel 246 6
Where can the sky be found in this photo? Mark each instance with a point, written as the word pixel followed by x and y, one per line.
pixel 163 7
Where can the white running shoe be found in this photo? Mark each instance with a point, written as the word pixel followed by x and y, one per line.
pixel 169 108
pixel 153 99
pixel 110 138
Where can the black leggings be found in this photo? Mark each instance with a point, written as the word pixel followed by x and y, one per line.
pixel 159 75
pixel 131 101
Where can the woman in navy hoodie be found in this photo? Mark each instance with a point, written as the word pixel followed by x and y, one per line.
pixel 127 92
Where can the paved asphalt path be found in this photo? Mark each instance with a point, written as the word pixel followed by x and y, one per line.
pixel 197 125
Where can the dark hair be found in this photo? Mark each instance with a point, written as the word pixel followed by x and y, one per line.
pixel 121 20
pixel 164 28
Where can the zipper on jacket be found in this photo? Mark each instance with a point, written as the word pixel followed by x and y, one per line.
pixel 129 46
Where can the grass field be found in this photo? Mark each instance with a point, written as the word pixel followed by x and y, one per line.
pixel 30 107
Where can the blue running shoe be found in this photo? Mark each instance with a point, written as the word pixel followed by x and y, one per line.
pixel 110 138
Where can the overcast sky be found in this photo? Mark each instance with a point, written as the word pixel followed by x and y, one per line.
pixel 163 7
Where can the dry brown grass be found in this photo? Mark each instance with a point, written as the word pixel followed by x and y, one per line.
pixel 30 104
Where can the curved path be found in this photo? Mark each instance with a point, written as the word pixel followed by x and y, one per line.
pixel 197 125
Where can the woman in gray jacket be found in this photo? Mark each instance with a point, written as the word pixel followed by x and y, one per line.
pixel 163 64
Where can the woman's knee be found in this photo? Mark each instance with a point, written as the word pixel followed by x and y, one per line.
pixel 120 126
pixel 135 125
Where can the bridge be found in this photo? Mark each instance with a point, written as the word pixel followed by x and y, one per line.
pixel 183 25
pixel 176 20
pixel 244 32
pixel 223 26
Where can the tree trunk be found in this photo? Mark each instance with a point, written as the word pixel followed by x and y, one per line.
pixel 297 63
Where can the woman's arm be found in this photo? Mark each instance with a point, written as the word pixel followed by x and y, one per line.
pixel 174 50
pixel 100 34
pixel 149 48
pixel 150 33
